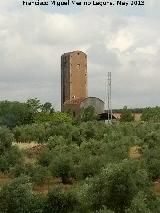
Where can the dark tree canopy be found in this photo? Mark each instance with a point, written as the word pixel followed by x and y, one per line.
pixel 14 114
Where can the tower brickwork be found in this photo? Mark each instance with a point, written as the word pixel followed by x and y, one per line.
pixel 73 76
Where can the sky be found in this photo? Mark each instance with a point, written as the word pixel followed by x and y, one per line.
pixel 118 39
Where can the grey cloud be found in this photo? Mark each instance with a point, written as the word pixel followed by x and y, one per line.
pixel 32 41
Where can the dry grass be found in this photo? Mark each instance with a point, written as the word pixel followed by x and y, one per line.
pixel 42 188
pixel 30 151
pixel 156 187
pixel 31 161
pixel 49 184
pixel 4 179
pixel 135 152
pixel 23 146
pixel 45 187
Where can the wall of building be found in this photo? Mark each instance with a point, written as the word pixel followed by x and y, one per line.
pixel 74 106
pixel 137 115
pixel 65 78
pixel 78 75
pixel 73 76
pixel 95 102
pixel 72 109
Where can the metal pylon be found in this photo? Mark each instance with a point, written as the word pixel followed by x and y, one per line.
pixel 109 98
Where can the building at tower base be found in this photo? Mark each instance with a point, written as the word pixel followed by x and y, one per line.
pixel 75 106
pixel 74 92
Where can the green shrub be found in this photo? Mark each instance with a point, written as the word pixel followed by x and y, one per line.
pixel 9 155
pixel 39 174
pixel 29 133
pixel 152 162
pixel 62 166
pixel 144 202
pixel 45 157
pixel 116 186
pixel 126 115
pixel 60 201
pixel 4 165
pixel 6 139
pixel 56 117
pixel 17 197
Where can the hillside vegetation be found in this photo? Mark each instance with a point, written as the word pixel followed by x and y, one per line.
pixel 50 163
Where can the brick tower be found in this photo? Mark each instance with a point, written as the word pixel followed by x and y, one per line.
pixel 73 76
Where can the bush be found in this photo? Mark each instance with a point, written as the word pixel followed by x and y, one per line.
pixel 151 114
pixel 60 201
pixel 6 139
pixel 55 141
pixel 29 133
pixel 9 155
pixel 17 197
pixel 126 115
pixel 152 162
pixel 62 166
pixel 144 202
pixel 39 174
pixel 88 167
pixel 18 169
pixel 56 117
pixel 116 186
pixel 88 114
pixel 13 114
pixel 14 156
pixel 45 157
pixel 4 165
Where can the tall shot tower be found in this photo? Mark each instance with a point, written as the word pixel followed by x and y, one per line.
pixel 73 76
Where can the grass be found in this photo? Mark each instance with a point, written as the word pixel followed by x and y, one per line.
pixel 45 187
pixel 4 179
pixel 135 152
pixel 23 146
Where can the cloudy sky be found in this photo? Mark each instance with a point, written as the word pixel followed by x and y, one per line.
pixel 122 40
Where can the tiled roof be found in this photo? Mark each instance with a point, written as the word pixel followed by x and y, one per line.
pixel 76 51
pixel 75 101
